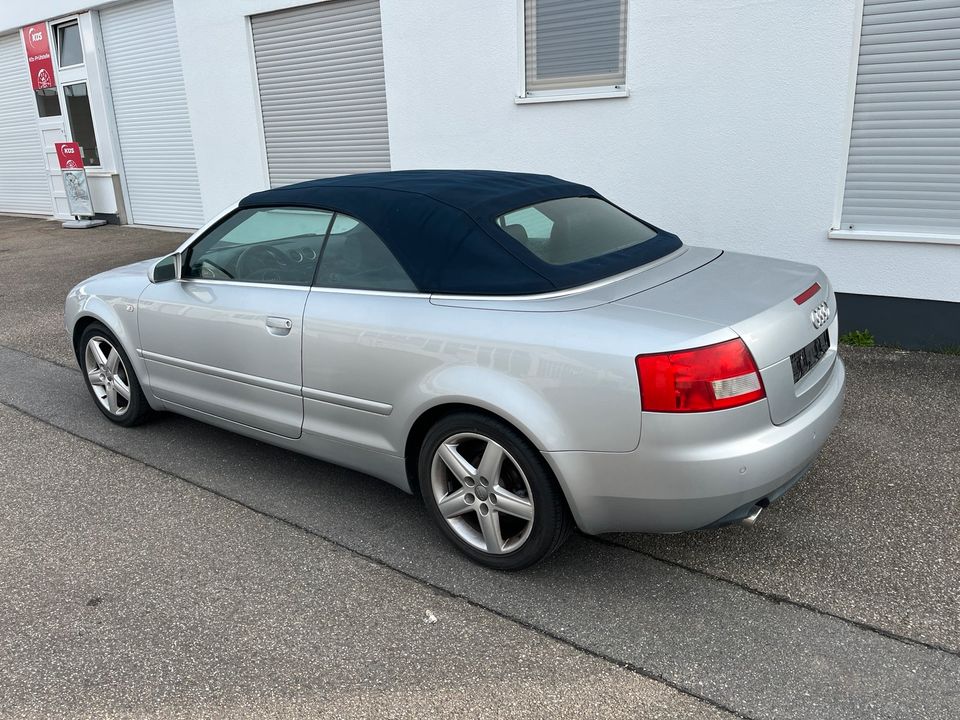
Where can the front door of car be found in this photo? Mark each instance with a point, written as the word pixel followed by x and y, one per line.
pixel 225 338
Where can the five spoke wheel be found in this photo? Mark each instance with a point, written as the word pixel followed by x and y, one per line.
pixel 108 375
pixel 482 493
pixel 491 491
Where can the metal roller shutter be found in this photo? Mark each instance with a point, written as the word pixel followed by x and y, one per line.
pixel 24 181
pixel 150 105
pixel 903 173
pixel 571 43
pixel 322 91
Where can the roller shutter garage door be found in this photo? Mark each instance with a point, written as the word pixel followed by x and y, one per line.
pixel 322 92
pixel 150 105
pixel 24 181
pixel 903 174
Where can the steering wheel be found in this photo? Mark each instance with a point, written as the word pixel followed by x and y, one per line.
pixel 207 268
pixel 261 262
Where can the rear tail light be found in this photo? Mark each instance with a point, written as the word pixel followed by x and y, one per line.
pixel 708 378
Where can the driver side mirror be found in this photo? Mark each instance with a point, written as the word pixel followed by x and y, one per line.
pixel 166 268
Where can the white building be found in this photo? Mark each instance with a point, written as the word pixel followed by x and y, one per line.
pixel 824 131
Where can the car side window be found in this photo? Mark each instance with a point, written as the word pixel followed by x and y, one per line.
pixel 355 258
pixel 574 229
pixel 267 245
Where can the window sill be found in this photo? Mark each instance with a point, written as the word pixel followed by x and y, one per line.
pixel 936 238
pixel 568 95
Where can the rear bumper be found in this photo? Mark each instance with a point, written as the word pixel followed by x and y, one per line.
pixel 691 471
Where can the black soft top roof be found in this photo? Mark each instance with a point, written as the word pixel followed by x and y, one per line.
pixel 441 226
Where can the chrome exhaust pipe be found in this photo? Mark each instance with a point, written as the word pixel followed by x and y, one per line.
pixel 751 519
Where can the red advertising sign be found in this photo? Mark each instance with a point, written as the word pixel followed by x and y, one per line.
pixel 69 156
pixel 37 41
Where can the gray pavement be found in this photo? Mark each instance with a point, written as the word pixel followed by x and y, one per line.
pixel 40 262
pixel 710 638
pixel 873 533
pixel 842 602
pixel 129 593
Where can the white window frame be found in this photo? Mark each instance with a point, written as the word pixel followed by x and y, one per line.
pixel 836 231
pixel 73 20
pixel 566 94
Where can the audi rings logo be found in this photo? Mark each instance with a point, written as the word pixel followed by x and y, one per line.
pixel 820 315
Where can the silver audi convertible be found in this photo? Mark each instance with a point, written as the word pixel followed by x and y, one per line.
pixel 519 351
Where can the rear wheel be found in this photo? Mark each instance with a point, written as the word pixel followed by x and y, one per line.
pixel 110 379
pixel 491 492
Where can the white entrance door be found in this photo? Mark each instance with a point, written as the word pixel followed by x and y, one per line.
pixel 51 132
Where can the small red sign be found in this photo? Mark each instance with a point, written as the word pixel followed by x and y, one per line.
pixel 69 156
pixel 37 41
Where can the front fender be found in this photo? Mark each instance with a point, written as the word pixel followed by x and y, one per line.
pixel 116 309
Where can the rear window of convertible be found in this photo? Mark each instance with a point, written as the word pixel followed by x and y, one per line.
pixel 573 229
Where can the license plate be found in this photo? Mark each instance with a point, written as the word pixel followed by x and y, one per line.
pixel 805 358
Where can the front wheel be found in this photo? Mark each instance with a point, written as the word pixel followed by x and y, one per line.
pixel 110 379
pixel 491 492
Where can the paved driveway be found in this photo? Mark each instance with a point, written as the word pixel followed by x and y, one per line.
pixel 178 570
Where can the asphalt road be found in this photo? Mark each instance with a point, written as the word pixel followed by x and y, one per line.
pixel 225 576
pixel 40 262
pixel 129 593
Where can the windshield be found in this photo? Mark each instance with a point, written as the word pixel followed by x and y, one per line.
pixel 574 229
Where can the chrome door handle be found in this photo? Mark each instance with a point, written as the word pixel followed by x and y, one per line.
pixel 279 325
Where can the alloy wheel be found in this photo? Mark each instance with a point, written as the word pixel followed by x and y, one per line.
pixel 482 493
pixel 107 375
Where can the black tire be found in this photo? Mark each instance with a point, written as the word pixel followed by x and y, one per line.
pixel 551 524
pixel 136 409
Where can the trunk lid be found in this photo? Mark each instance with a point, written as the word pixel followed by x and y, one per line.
pixel 754 296
pixel 685 260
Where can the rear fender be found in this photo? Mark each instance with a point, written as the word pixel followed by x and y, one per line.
pixel 498 394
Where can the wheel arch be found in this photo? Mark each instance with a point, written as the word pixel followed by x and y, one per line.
pixel 79 328
pixel 115 328
pixel 124 331
pixel 430 416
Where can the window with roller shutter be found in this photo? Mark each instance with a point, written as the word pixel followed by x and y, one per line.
pixel 573 48
pixel 903 169
pixel 322 91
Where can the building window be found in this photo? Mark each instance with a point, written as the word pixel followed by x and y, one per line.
pixel 69 47
pixel 903 166
pixel 573 47
pixel 81 122
pixel 48 103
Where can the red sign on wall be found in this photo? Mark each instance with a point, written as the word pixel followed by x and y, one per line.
pixel 36 38
pixel 69 156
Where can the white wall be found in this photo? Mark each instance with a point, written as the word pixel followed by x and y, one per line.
pixel 733 134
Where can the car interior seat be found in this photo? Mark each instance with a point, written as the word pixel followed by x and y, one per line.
pixel 518 231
